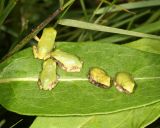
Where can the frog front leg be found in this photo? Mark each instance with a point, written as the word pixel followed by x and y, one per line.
pixel 35 51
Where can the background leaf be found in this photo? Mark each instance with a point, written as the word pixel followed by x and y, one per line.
pixel 4 13
pixel 135 118
pixel 74 95
pixel 131 5
pixel 93 26
pixel 146 28
pixel 146 44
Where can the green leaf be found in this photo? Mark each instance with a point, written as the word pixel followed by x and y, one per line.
pixel 147 28
pixel 96 27
pixel 74 95
pixel 135 118
pixel 146 44
pixel 3 14
pixel 130 5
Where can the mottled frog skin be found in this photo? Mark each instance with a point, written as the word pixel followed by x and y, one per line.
pixel 124 82
pixel 67 61
pixel 99 77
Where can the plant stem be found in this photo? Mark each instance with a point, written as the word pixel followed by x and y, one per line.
pixel 36 30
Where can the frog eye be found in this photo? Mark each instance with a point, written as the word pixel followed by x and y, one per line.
pixel 124 82
pixel 99 77
pixel 67 61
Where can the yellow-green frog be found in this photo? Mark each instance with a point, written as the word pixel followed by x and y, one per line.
pixel 48 77
pixel 45 44
pixel 124 82
pixel 67 61
pixel 99 77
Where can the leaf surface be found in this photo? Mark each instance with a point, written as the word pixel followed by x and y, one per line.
pixel 74 95
pixel 146 44
pixel 135 118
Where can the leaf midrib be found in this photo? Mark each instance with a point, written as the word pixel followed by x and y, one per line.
pixel 32 79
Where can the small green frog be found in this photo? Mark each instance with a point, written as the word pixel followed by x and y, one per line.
pixel 45 44
pixel 99 77
pixel 67 61
pixel 124 82
pixel 48 77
